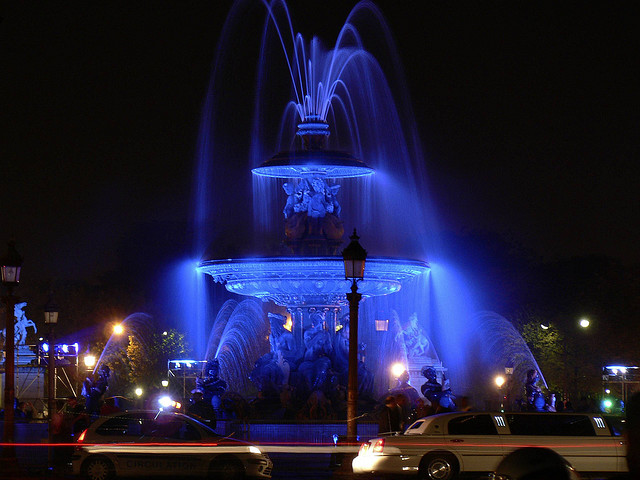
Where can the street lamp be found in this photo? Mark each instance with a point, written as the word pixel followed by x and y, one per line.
pixel 500 381
pixel 51 311
pixel 89 361
pixel 354 257
pixel 118 329
pixel 10 266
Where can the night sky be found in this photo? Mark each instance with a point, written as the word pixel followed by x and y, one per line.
pixel 528 117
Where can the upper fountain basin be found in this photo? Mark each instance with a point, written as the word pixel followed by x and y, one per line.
pixel 298 281
pixel 312 163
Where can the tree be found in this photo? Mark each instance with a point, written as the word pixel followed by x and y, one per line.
pixel 148 358
pixel 547 346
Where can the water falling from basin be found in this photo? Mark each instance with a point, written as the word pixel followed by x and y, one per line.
pixel 349 98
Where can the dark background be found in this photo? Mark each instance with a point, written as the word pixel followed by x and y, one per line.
pixel 527 113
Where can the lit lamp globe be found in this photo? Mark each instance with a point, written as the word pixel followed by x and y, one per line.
pixel 10 266
pixel 89 361
pixel 397 369
pixel 354 257
pixel 51 311
pixel 584 323
pixel 499 380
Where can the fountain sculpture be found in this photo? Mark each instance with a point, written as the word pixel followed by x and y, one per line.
pixel 342 101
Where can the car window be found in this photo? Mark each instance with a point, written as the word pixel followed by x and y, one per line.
pixel 548 424
pixel 417 424
pixel 175 429
pixel 121 426
pixel 472 425
pixel 616 424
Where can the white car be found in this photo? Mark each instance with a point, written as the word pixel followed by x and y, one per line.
pixel 442 446
pixel 146 443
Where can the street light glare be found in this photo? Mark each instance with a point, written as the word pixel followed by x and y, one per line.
pixel 544 327
pixel 499 381
pixel 89 361
pixel 118 329
pixel 397 369
pixel 138 392
pixel 584 323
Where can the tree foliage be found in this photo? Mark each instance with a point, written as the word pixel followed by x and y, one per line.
pixel 148 358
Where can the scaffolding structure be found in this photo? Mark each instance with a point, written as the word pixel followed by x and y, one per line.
pixel 184 373
pixel 31 375
pixel 622 381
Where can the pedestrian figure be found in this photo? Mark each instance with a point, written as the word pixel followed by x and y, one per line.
pixel 201 409
pixel 389 417
pixel 535 399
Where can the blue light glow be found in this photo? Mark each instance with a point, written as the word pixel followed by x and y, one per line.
pixel 300 164
pixel 309 280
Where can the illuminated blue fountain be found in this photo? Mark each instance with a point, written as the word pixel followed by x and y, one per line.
pixel 342 102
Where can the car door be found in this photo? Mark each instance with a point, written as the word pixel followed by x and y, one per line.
pixel 182 454
pixel 474 438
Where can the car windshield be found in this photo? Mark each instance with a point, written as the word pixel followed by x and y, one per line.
pixel 136 425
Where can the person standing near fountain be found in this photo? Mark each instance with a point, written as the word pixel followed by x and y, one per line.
pixel 94 388
pixel 212 386
pixel 201 409
pixel 535 399
pixel 389 420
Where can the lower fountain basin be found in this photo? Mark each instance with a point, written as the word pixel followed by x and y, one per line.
pixel 305 281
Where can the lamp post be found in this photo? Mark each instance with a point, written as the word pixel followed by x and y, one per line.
pixel 354 257
pixel 51 311
pixel 500 381
pixel 10 266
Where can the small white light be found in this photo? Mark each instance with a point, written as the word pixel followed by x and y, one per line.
pixel 89 361
pixel 165 401
pixel 607 391
pixel 584 323
pixel 165 383
pixel 138 392
pixel 544 327
pixel 397 369
pixel 254 449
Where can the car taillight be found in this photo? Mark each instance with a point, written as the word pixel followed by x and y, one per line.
pixel 81 437
pixel 378 446
pixel 363 448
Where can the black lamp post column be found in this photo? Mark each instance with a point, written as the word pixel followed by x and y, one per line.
pixel 51 318
pixel 10 266
pixel 352 389
pixel 354 257
pixel 9 369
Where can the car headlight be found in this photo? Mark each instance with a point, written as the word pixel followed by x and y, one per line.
pixel 256 450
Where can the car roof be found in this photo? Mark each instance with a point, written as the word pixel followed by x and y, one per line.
pixel 435 424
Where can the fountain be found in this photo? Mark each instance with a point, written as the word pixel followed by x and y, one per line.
pixel 342 102
pixel 137 325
